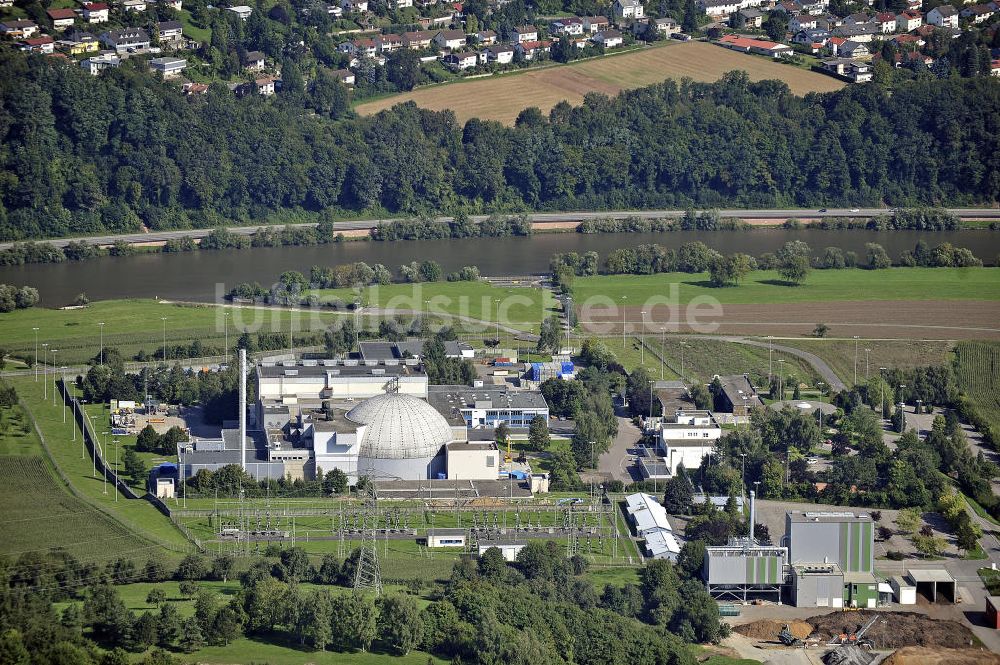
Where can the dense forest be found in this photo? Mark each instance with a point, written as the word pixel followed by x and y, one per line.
pixel 111 153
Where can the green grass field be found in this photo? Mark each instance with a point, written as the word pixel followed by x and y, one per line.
pixel 767 286
pixel 839 354
pixel 704 358
pixel 519 308
pixel 138 516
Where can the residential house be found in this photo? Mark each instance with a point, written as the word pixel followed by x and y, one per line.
pixel 168 67
pixel 77 47
pixel 815 7
pixel 173 4
pixel 908 41
pixel 253 61
pixel 42 44
pixel 852 70
pixel 801 22
pixel 812 39
pixel 126 40
pixel 388 43
pixel 358 47
pixel 719 10
pixel 571 26
pixel 61 18
pixel 750 17
pixel 885 22
pixel 943 16
pixel 450 39
pixel 170 33
pixel 403 4
pixel 594 24
pixel 335 10
pixel 627 9
pixel 757 46
pixel 460 61
pixel 995 68
pixel 911 19
pixel 346 76
pixel 608 39
pixel 98 63
pixel 265 85
pixel 416 41
pixel 668 26
pixel 96 12
pixel 486 37
pixel 354 6
pixel 6 4
pixel 242 11
pixel 195 88
pixel 978 13
pixel 830 21
pixel 852 49
pixel 18 29
pixel 502 54
pixel 858 18
pixel 134 5
pixel 859 32
pixel 524 33
pixel 531 50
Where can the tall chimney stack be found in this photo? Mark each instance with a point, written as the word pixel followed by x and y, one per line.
pixel 243 407
pixel 753 514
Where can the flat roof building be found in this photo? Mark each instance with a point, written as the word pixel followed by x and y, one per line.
pixel 317 380
pixel 475 408
pixel 743 569
pixel 846 539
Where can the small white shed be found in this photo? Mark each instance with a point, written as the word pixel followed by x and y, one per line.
pixel 904 592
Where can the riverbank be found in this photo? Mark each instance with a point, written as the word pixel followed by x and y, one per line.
pixel 355 227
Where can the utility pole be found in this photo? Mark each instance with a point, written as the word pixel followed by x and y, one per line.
pixel 881 393
pixel 662 340
pixel 116 469
pixel 642 341
pixel 769 365
pixel 855 360
pixel 45 371
pixel 743 475
pixel 225 323
pixel 624 298
pixel 651 399
pixel 104 462
pixel 36 353
pixel 63 374
pixel 54 352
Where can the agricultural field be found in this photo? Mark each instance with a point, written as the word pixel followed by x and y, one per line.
pixel 978 366
pixel 839 354
pixel 701 359
pixel 76 466
pixel 519 307
pixel 504 97
pixel 921 303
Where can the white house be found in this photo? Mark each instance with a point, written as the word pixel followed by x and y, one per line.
pixel 99 63
pixel 345 75
pixel 168 67
pixel 388 43
pixel 126 39
pixel 43 44
pixel 909 20
pixel 885 22
pixel 524 33
pixel 508 548
pixel 608 39
pixel 943 16
pixel 355 6
pixel 450 39
pixel 719 9
pixel 18 29
pixel 502 54
pixel 853 49
pixel 242 11
pixel 460 61
pixel 686 440
pixel 253 61
pixel 627 9
pixel 170 31
pixel 134 5
pixel 594 24
pixel 96 12
pixel 978 13
pixel 61 18
pixel 567 26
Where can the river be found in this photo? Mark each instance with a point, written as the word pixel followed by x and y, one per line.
pixel 195 275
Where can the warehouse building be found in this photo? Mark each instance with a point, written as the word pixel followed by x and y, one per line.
pixel 412 349
pixel 312 381
pixel 650 520
pixel 832 551
pixel 743 570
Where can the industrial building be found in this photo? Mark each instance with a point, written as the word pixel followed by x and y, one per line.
pixel 447 537
pixel 368 416
pixel 508 548
pixel 650 520
pixel 832 559
pixel 738 396
pixel 685 439
pixel 826 559
pixel 412 349
pixel 488 406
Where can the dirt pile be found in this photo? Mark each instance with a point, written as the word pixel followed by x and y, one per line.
pixel 928 656
pixel 895 630
pixel 848 655
pixel 766 629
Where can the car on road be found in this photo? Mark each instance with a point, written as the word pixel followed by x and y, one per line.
pixel 822 210
pixel 855 210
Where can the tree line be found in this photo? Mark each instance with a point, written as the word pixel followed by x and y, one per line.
pixel 215 159
pixel 539 609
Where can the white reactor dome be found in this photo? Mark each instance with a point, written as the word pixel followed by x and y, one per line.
pixel 400 427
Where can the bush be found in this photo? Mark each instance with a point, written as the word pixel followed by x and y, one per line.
pixel 895 555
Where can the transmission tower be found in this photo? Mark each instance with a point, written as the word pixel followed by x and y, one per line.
pixel 368 575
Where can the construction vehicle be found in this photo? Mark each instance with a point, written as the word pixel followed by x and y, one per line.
pixel 857 638
pixel 788 639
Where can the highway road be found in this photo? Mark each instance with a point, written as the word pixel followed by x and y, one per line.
pixel 362 224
